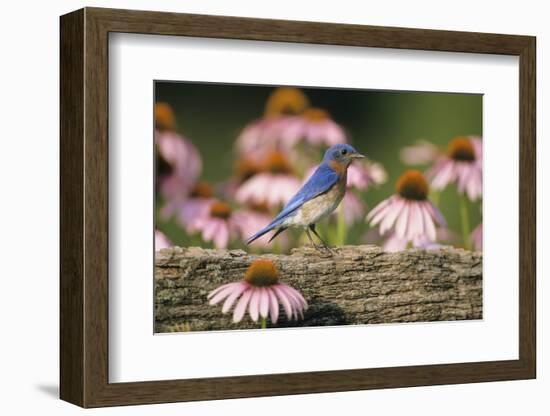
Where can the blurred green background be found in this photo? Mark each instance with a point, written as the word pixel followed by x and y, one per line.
pixel 379 125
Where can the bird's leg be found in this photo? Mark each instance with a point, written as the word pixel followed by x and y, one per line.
pixel 311 240
pixel 325 245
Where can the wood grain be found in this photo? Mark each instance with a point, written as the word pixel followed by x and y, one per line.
pixel 84 278
pixel 358 285
pixel 71 219
pixel 528 209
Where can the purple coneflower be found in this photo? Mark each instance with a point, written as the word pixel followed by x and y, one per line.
pixel 264 134
pixel 244 169
pixel 260 292
pixel 462 164
pixel 178 153
pixel 314 126
pixel 420 153
pixel 274 186
pixel 178 161
pixel 195 205
pixel 261 136
pixel 363 175
pixel 408 213
pixel 217 223
pixel 184 167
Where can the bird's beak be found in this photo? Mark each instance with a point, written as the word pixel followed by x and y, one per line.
pixel 357 156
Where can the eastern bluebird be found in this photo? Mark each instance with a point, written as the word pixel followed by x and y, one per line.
pixel 319 196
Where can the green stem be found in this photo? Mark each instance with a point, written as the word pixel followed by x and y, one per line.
pixel 277 247
pixel 264 323
pixel 341 226
pixel 465 220
pixel 435 197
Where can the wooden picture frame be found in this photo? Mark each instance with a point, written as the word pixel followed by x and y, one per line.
pixel 84 207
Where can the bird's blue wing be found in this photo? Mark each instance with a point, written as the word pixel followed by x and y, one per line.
pixel 320 182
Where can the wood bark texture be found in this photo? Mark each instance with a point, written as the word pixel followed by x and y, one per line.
pixel 358 285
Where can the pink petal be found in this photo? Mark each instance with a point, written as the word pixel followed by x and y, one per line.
pixel 161 241
pixel 222 236
pixel 298 307
pixel 335 134
pixel 239 288
pixel 218 289
pixel 463 173
pixel 380 215
pixel 223 293
pixel 210 229
pixel 314 133
pixel 478 146
pixel 425 244
pixel 169 208
pixel 448 174
pixel 284 301
pixel 378 208
pixel 302 302
pixel 442 173
pixel 429 226
pixel 353 208
pixel 394 244
pixel 436 214
pixel 264 302
pixel 477 237
pixel 273 305
pixel 401 225
pixel 416 223
pixel 420 153
pixel 240 309
pixel 297 301
pixel 473 183
pixel 254 301
pixel 391 215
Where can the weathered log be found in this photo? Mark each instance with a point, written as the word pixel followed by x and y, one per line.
pixel 358 285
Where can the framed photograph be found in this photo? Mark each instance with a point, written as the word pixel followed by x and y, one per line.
pixel 256 207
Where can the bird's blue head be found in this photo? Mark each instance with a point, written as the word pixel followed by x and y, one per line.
pixel 342 154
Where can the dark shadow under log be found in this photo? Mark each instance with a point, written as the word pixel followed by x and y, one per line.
pixel 358 285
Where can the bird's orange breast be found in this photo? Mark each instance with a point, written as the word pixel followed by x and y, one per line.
pixel 338 167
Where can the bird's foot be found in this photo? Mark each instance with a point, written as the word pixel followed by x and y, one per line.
pixel 324 250
pixel 331 252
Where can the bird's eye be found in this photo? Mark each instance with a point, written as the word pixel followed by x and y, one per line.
pixel 344 151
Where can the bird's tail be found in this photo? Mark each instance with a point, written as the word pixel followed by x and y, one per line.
pixel 263 231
